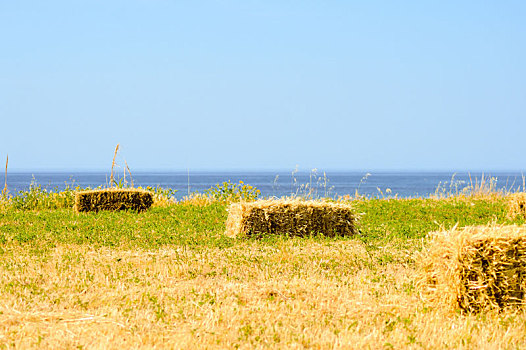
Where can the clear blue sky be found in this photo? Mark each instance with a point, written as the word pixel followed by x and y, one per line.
pixel 357 85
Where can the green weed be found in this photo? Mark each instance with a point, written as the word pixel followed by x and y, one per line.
pixel 233 192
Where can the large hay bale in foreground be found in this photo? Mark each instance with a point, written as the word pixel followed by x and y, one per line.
pixel 476 268
pixel 290 217
pixel 113 199
pixel 517 205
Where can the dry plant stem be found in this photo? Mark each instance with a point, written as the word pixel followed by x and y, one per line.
pixel 112 181
pixel 129 172
pixel 4 191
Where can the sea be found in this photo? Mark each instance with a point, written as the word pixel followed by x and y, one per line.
pixel 312 184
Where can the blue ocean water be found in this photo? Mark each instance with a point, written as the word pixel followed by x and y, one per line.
pixel 278 184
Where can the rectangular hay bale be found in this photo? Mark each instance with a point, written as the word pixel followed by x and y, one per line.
pixel 113 199
pixel 476 268
pixel 290 217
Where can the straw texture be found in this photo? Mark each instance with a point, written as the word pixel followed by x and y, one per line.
pixel 290 217
pixel 113 199
pixel 476 268
pixel 517 205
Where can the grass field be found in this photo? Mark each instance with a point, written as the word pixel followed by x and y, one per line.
pixel 170 278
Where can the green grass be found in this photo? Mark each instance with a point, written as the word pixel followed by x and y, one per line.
pixel 414 218
pixel 174 225
pixel 193 225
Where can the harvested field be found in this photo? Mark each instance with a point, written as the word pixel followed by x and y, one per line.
pixel 291 294
pixel 170 278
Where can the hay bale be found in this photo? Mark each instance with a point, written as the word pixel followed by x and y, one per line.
pixel 476 268
pixel 113 199
pixel 290 217
pixel 517 205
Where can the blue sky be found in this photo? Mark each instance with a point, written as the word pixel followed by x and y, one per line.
pixel 229 85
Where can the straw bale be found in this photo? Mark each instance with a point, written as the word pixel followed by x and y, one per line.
pixel 517 205
pixel 113 199
pixel 476 268
pixel 290 217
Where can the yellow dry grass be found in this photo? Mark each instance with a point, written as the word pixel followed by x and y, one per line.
pixel 476 268
pixel 199 199
pixel 309 294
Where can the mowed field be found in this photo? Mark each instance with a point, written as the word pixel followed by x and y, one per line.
pixel 170 278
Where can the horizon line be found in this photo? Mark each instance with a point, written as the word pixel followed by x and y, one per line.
pixel 266 170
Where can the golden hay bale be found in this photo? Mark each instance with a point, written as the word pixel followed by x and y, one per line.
pixel 476 268
pixel 290 217
pixel 113 199
pixel 517 205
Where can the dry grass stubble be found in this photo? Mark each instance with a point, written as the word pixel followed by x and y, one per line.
pixel 294 293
